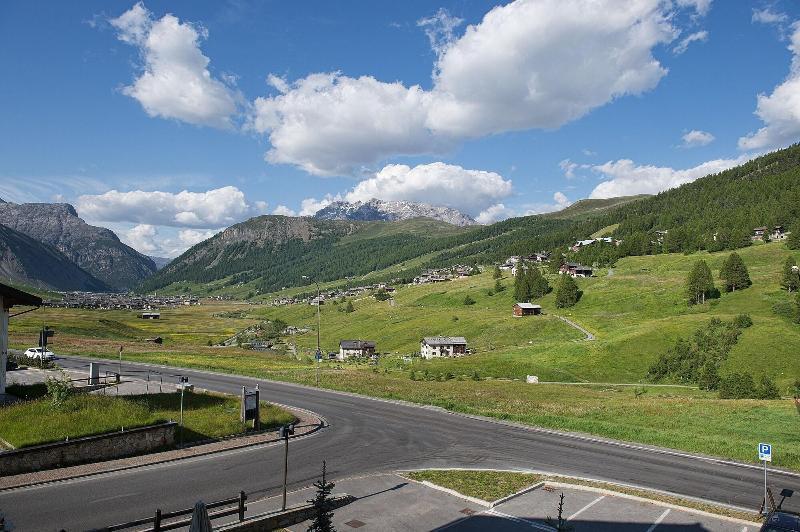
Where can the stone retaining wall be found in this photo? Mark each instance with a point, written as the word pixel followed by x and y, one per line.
pixel 88 449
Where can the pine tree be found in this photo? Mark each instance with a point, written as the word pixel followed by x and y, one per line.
pixel 793 240
pixel 498 286
pixel 497 273
pixel 734 273
pixel 539 286
pixel 797 309
pixel 791 275
pixel 349 307
pixel 700 283
pixel 323 515
pixel 567 292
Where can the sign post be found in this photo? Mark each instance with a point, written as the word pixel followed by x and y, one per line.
pixel 251 407
pixel 765 455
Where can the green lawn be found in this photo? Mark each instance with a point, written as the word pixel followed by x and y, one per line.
pixel 485 485
pixel 205 416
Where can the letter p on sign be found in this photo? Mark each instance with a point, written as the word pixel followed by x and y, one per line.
pixel 765 452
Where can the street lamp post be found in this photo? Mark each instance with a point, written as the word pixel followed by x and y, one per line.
pixel 183 382
pixel 285 432
pixel 319 350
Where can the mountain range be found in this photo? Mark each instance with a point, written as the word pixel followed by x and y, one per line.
pixel 95 250
pixel 267 253
pixel 392 211
pixel 347 242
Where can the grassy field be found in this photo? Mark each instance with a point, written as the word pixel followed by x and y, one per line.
pixel 485 485
pixel 205 416
pixel 636 310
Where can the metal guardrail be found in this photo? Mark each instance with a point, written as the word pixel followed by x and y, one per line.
pixel 158 519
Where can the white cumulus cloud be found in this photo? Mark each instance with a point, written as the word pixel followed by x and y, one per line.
pixel 175 81
pixel 210 209
pixel 625 178
pixel 163 242
pixel 470 191
pixel 330 124
pixel 780 111
pixel 527 64
pixel 696 137
pixel 142 238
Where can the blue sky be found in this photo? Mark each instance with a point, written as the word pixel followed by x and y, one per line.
pixel 169 121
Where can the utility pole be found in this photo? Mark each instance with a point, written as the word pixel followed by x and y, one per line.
pixel 319 321
pixel 119 369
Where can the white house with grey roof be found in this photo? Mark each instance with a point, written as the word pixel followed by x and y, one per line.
pixel 443 346
pixel 356 348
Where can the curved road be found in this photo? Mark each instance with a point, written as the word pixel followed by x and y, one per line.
pixel 365 436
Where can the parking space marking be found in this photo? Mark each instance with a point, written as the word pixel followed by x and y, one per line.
pixel 516 519
pixel 658 521
pixel 579 512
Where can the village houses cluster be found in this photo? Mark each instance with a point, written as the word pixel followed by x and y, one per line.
pixel 112 301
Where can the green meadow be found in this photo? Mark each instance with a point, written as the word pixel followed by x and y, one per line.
pixel 635 309
pixel 206 416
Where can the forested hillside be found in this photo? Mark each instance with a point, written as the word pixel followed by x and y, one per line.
pixel 715 212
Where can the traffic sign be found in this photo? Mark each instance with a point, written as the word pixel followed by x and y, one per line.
pixel 765 452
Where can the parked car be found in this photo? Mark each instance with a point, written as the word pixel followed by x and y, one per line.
pixel 36 353
pixel 781 521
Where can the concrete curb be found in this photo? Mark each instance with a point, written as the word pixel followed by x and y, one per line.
pixel 8 483
pixel 600 490
pixel 523 491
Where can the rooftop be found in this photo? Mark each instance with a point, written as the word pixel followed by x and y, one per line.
pixel 445 340
pixel 12 296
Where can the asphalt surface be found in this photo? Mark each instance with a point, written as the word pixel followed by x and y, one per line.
pixel 366 436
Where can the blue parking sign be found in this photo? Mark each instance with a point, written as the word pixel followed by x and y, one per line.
pixel 765 452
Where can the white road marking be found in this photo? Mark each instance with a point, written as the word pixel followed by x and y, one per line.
pixel 516 519
pixel 579 512
pixel 658 521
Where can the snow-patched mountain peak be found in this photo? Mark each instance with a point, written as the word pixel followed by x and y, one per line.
pixel 379 210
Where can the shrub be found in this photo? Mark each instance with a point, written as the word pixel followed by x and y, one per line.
pixel 468 300
pixel 784 309
pixel 767 389
pixel 742 321
pixel 476 376
pixel 59 389
pixel 737 386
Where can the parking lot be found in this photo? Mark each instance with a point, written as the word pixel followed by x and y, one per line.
pixel 391 502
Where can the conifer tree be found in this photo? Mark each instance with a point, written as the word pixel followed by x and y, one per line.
pixel 539 286
pixel 323 515
pixel 567 292
pixel 734 273
pixel 498 286
pixel 497 273
pixel 700 283
pixel 791 275
pixel 793 240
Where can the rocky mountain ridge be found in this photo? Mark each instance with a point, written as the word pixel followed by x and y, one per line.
pixel 390 211
pixel 96 250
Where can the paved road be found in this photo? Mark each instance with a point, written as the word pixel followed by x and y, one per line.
pixel 365 436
